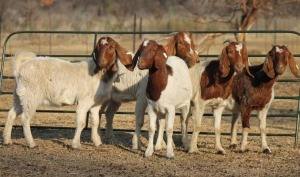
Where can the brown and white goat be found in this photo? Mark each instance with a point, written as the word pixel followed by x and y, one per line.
pixel 168 88
pixel 212 84
pixel 257 93
pixel 182 45
pixel 131 86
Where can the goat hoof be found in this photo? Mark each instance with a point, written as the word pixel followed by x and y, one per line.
pixel 98 144
pixel 186 149
pixel 76 146
pixel 170 155
pixel 32 145
pixel 7 143
pixel 137 146
pixel 221 152
pixel 267 151
pixel 148 152
pixel 193 151
pixel 244 150
pixel 232 146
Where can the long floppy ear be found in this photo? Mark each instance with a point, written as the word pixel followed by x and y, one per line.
pixel 247 63
pixel 95 56
pixel 124 56
pixel 170 47
pixel 224 63
pixel 293 65
pixel 160 57
pixel 268 66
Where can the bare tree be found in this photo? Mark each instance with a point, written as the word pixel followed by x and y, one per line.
pixel 158 8
pixel 248 18
pixel 239 14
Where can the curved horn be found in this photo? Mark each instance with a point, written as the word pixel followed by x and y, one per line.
pixel 136 56
pixel 227 40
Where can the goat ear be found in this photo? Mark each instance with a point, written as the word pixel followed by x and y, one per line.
pixel 247 63
pixel 124 56
pixel 224 63
pixel 268 66
pixel 293 65
pixel 170 47
pixel 195 59
pixel 160 57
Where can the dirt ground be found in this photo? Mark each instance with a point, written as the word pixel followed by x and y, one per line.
pixel 54 157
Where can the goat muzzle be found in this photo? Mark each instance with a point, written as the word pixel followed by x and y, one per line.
pixel 238 68
pixel 280 69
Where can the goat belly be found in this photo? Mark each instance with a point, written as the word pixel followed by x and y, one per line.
pixel 247 95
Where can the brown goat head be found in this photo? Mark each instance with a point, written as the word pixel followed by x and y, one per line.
pixel 182 45
pixel 107 51
pixel 277 59
pixel 150 55
pixel 234 55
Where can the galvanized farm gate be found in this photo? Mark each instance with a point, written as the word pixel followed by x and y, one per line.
pixel 5 54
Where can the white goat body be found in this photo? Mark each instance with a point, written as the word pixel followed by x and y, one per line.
pixel 51 81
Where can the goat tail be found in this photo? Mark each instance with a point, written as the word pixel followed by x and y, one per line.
pixel 19 58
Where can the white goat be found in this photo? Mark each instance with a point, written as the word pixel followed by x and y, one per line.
pixel 51 81
pixel 168 88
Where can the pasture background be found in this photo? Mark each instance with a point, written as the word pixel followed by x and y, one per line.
pixel 54 157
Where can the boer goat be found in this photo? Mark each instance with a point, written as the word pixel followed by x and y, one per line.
pixel 168 88
pixel 257 93
pixel 131 86
pixel 212 84
pixel 51 81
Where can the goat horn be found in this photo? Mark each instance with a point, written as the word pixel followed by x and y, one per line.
pixel 285 45
pixel 227 40
pixel 273 45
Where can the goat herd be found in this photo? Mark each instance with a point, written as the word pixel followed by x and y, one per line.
pixel 167 78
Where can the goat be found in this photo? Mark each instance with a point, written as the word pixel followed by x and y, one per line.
pixel 131 86
pixel 257 93
pixel 168 88
pixel 51 81
pixel 212 84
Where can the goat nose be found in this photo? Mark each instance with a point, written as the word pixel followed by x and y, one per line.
pixel 191 51
pixel 239 66
pixel 188 55
pixel 280 67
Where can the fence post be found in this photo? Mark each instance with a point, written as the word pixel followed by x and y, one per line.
pixel 0 31
pixel 297 123
pixel 134 30
pixel 141 20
